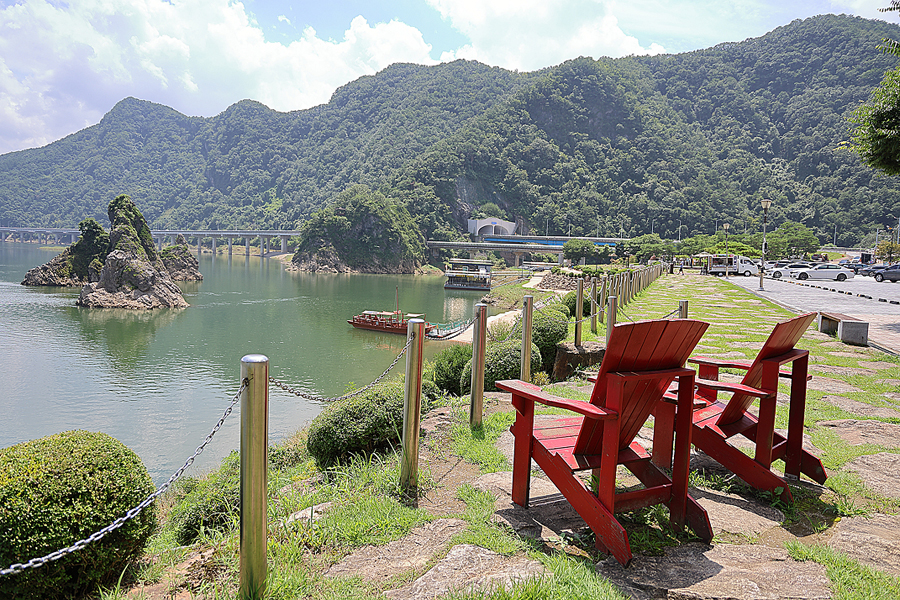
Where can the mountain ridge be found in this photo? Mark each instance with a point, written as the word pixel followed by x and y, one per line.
pixel 607 146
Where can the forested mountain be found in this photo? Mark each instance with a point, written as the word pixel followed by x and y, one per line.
pixel 591 146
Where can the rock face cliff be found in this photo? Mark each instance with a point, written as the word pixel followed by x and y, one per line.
pixel 133 275
pixel 78 264
pixel 55 273
pixel 181 264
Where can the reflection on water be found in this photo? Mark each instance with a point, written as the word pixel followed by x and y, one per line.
pixel 159 380
pixel 126 333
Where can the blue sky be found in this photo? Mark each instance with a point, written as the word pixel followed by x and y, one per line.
pixel 63 65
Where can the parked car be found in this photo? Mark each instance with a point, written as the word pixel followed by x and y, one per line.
pixel 826 271
pixel 786 270
pixel 870 271
pixel 891 273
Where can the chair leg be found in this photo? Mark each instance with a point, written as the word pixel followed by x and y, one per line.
pixel 739 463
pixel 609 533
pixel 523 432
pixel 695 515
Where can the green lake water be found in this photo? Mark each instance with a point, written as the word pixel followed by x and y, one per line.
pixel 159 380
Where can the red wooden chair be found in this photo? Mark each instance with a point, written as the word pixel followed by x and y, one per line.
pixel 715 422
pixel 642 359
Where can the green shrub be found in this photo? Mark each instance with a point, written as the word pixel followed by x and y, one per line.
pixel 362 423
pixel 212 502
pixel 559 306
pixel 447 367
pixel 60 489
pixel 501 361
pixel 548 328
pixel 569 301
pixel 207 503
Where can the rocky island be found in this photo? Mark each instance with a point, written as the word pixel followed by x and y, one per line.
pixel 133 275
pixel 363 232
pixel 121 269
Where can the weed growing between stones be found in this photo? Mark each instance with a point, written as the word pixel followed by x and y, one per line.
pixel 849 579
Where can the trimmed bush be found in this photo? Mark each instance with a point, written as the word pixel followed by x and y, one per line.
pixel 448 365
pixel 60 489
pixel 559 306
pixel 569 301
pixel 501 361
pixel 548 328
pixel 363 423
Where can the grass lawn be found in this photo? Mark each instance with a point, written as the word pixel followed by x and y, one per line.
pixel 368 508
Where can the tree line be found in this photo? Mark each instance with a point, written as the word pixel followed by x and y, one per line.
pixel 673 145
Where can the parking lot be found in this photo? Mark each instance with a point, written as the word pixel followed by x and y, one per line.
pixel 860 297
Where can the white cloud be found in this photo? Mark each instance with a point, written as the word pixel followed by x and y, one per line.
pixel 63 66
pixel 531 34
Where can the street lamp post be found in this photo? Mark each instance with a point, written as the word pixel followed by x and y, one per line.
pixel 762 265
pixel 725 226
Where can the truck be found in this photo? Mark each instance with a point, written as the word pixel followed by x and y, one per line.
pixel 736 265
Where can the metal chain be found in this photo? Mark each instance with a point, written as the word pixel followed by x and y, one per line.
pixel 674 312
pixel 509 335
pixel 37 562
pixel 378 379
pixel 624 314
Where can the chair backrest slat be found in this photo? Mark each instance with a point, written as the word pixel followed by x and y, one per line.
pixel 637 347
pixel 782 339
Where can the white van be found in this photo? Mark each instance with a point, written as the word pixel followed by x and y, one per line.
pixel 736 265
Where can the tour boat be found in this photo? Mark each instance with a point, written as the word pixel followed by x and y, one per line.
pixel 388 322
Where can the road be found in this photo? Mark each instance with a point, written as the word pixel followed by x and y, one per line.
pixel 862 297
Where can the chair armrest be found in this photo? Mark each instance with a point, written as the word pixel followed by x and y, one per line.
pixel 721 363
pixel 535 394
pixel 722 386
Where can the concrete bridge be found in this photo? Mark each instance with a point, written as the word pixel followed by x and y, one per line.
pixel 518 246
pixel 62 235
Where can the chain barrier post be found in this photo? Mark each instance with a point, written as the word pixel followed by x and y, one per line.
pixel 682 309
pixel 476 406
pixel 525 364
pixel 611 316
pixel 594 305
pixel 254 464
pixel 579 310
pixel 412 405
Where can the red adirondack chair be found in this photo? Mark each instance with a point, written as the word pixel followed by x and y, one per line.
pixel 642 359
pixel 715 422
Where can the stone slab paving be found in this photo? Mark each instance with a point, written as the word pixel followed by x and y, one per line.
pixel 549 516
pixel 857 432
pixel 880 472
pixel 730 513
pixel 835 370
pixel 876 364
pixel 834 386
pixel 873 541
pixel 467 567
pixel 861 408
pixel 723 571
pixel 378 564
